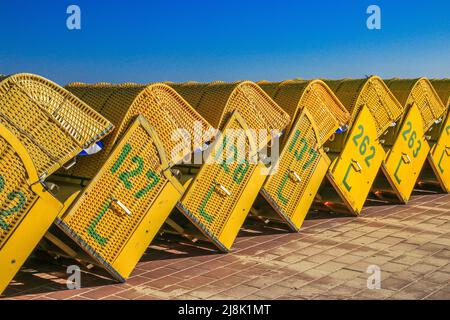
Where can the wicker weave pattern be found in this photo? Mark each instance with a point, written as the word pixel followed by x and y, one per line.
pixel 15 194
pixel 442 87
pixel 158 103
pixel 53 125
pixel 372 92
pixel 293 96
pixel 95 220
pixel 206 203
pixel 216 101
pixel 421 92
pixel 305 137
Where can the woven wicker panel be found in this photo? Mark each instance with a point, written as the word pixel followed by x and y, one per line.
pixel 134 177
pixel 300 155
pixel 16 197
pixel 35 109
pixel 210 207
pixel 372 92
pixel 315 96
pixel 216 101
pixel 442 87
pixel 421 92
pixel 158 103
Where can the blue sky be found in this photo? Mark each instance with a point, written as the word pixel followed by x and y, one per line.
pixel 205 40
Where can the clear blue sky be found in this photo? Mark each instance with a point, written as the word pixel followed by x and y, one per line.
pixel 205 40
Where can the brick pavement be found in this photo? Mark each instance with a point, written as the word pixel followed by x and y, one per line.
pixel 328 259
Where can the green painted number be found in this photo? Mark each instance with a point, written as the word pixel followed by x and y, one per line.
pixel 412 139
pixel 370 156
pixel 359 135
pixel 224 163
pixel 294 141
pixel 154 181
pixel 240 171
pixel 126 175
pixel 311 159
pixel 123 155
pixel 13 196
pixel 416 152
pixel 298 155
pixel 407 131
pixel 364 144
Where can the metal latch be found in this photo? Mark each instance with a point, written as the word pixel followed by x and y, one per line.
pixel 70 164
pixel 220 187
pixel 122 206
pixel 356 166
pixel 447 150
pixel 294 176
pixel 406 159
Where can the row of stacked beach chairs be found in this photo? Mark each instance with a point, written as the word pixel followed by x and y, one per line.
pixel 95 172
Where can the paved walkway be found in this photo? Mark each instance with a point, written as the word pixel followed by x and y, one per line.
pixel 328 259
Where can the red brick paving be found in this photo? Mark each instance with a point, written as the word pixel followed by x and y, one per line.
pixel 328 259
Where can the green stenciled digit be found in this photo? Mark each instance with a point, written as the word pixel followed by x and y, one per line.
pixel 294 140
pixel 407 131
pixel 416 152
pixel 123 155
pixel 363 146
pixel 202 211
pixel 281 187
pixel 21 200
pixel 91 229
pixel 356 137
pixel 126 175
pixel 154 178
pixel 311 159
pixel 370 156
pixel 240 171
pixel 298 155
pixel 411 140
pixel 224 162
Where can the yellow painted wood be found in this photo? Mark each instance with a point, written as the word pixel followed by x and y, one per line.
pixel 292 185
pixel 146 231
pixel 242 207
pixel 405 159
pixel 439 157
pixel 221 195
pixel 42 128
pixel 316 116
pixel 353 172
pixel 118 214
pixel 440 140
pixel 28 234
